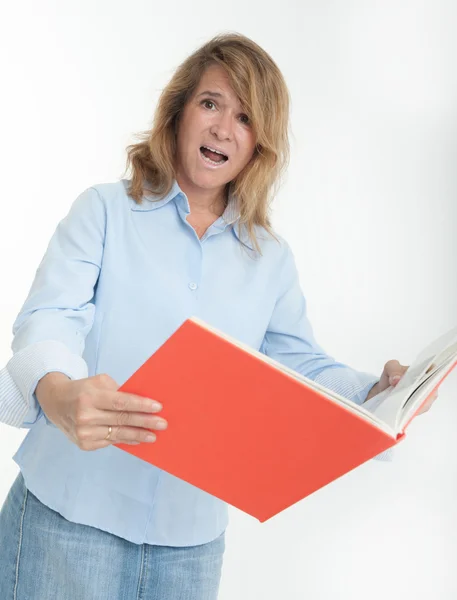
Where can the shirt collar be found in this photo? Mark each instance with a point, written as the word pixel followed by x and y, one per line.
pixel 229 217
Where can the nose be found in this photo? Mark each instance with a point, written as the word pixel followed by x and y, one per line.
pixel 222 128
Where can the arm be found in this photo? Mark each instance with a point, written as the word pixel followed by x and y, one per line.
pixel 18 404
pixel 50 330
pixel 289 340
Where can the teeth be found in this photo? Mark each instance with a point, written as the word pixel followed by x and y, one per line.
pixel 213 162
pixel 213 150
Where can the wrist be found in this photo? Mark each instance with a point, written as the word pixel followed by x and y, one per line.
pixel 49 383
pixel 373 392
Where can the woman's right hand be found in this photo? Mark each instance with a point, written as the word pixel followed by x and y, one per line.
pixel 84 409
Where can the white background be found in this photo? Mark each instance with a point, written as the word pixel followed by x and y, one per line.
pixel 369 208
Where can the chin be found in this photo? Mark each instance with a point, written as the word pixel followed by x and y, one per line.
pixel 208 181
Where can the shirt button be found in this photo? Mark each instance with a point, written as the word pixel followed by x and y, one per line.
pixel 193 286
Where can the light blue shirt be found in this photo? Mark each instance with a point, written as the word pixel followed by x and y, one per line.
pixel 116 281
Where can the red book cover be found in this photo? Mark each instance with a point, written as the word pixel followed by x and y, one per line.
pixel 244 431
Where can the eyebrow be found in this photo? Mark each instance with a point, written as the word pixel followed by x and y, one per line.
pixel 209 93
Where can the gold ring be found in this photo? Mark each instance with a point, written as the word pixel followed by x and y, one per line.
pixel 110 429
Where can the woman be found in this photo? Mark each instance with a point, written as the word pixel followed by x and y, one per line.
pixel 188 234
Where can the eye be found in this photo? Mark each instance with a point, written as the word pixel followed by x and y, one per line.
pixel 245 119
pixel 206 102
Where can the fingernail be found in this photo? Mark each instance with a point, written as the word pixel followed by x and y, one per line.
pixel 395 379
pixel 161 425
pixel 151 437
pixel 156 405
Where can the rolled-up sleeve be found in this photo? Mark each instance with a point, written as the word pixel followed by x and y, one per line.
pixel 58 313
pixel 290 340
pixel 13 408
pixel 18 404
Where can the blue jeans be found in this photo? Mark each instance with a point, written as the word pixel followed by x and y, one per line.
pixel 45 557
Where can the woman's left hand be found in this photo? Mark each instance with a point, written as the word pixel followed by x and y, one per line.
pixel 391 375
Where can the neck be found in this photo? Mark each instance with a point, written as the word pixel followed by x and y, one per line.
pixel 202 201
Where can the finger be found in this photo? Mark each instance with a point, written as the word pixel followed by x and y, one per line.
pixel 394 379
pixel 125 434
pixel 392 367
pixel 98 444
pixel 394 371
pixel 428 403
pixel 425 407
pixel 431 399
pixel 85 436
pixel 127 419
pixel 123 402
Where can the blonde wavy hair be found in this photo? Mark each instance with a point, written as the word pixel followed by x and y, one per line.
pixel 263 94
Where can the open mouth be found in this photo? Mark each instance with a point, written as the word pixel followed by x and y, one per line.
pixel 213 156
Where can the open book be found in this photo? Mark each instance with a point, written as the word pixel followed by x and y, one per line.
pixel 398 405
pixel 258 435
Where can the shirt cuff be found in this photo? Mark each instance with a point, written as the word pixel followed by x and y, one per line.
pixel 31 364
pixel 13 408
pixel 351 384
pixel 386 456
pixel 354 385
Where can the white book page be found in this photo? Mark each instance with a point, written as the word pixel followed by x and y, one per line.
pixel 392 405
pixel 425 389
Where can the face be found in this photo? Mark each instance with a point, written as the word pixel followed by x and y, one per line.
pixel 215 140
